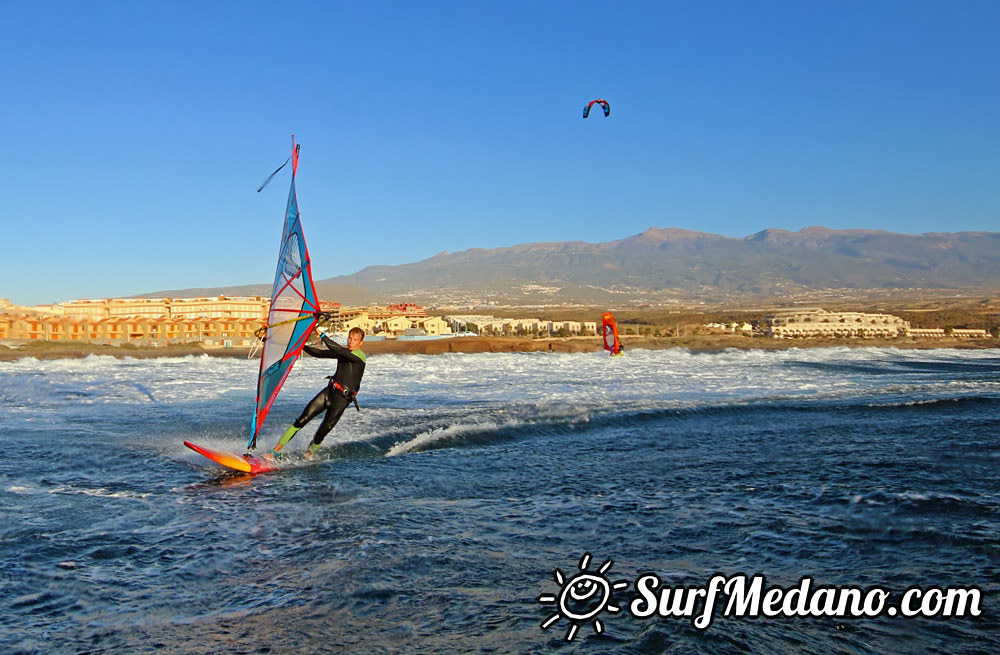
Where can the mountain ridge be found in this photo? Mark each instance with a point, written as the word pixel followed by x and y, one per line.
pixel 665 265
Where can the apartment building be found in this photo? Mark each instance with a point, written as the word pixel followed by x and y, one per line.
pixel 811 323
pixel 958 333
pixel 251 307
pixel 433 326
pixel 136 330
pixel 527 326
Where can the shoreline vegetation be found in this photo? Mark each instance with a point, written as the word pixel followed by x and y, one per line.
pixel 695 343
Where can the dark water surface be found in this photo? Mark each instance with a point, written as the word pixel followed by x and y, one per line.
pixel 437 518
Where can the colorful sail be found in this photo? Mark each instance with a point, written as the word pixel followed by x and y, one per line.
pixel 603 104
pixel 610 331
pixel 294 311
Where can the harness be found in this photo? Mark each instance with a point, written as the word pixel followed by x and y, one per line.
pixel 350 394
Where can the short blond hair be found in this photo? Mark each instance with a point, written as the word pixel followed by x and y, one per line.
pixel 358 331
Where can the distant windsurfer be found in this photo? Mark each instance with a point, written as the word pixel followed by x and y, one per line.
pixel 610 332
pixel 336 396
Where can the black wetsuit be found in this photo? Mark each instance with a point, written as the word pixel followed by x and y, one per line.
pixel 350 368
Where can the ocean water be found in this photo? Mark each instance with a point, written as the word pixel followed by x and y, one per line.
pixel 437 518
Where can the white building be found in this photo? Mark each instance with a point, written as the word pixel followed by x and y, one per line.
pixel 811 323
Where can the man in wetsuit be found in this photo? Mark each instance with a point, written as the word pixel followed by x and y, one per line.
pixel 336 396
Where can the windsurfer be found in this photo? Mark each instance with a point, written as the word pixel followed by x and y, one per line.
pixel 337 395
pixel 610 331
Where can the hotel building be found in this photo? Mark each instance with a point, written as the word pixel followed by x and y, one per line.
pixel 812 323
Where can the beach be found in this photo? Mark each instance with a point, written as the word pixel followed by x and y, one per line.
pixel 695 343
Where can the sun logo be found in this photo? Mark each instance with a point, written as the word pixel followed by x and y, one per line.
pixel 582 597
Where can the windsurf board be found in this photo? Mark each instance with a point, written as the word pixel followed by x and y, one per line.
pixel 243 463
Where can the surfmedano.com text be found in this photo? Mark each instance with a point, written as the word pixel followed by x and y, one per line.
pixel 749 597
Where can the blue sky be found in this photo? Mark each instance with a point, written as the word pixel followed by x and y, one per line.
pixel 134 134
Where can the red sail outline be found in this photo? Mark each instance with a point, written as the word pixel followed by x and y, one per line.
pixel 609 330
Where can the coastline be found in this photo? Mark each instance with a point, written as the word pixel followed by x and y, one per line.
pixel 698 343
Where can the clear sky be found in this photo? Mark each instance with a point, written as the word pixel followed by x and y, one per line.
pixel 134 134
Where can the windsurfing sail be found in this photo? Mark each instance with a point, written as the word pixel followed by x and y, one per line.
pixel 610 332
pixel 294 310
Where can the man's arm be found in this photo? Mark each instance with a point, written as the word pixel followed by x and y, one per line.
pixel 331 350
pixel 315 352
pixel 339 351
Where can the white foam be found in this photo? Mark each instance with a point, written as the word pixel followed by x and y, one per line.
pixel 98 491
pixel 428 438
pixel 58 393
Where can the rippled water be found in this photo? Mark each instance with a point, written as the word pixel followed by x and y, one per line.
pixel 437 516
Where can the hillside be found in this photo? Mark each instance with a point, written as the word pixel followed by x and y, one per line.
pixel 680 266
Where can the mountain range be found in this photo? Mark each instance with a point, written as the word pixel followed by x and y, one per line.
pixel 670 265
